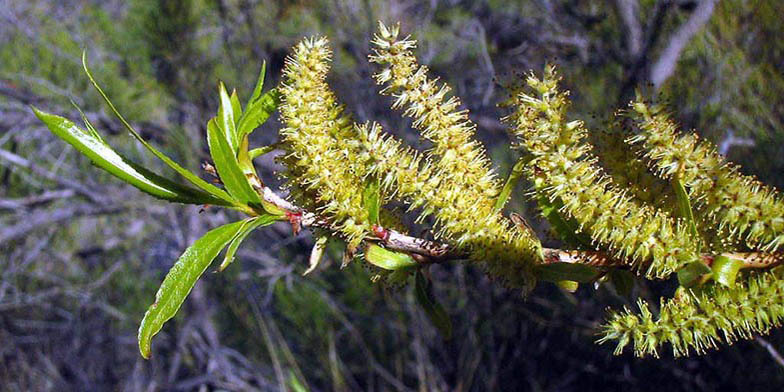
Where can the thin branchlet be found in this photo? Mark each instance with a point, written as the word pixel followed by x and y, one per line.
pixel 739 205
pixel 564 168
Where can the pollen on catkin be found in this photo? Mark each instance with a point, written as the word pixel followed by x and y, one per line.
pixel 739 205
pixel 699 320
pixel 564 168
pixel 325 167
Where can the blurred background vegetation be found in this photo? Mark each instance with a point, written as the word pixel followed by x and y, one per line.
pixel 81 254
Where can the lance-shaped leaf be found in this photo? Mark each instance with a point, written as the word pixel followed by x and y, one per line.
pixel 225 119
pixel 371 199
pixel 259 108
pixel 192 178
pixel 511 182
pixel 434 310
pixel 102 155
pixel 228 167
pixel 180 280
pixel 250 225
pixel 684 208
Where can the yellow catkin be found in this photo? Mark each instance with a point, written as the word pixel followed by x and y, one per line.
pixel 325 170
pixel 739 205
pixel 462 188
pixel 564 168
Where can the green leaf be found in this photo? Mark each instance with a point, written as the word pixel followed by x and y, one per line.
pixel 103 156
pixel 258 112
pixel 192 178
pixel 236 107
pixel 725 270
pixel 226 120
pixel 567 229
pixel 228 167
pixel 434 310
pixel 623 280
pixel 180 280
pixel 692 274
pixel 248 227
pixel 259 107
pixel 257 152
pixel 387 259
pixel 557 272
pixel 371 199
pixel 511 182
pixel 259 85
pixel 684 208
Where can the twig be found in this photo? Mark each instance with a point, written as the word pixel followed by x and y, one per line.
pixel 665 65
pixel 437 252
pixel 771 350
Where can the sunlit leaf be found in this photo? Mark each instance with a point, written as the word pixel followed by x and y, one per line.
pixel 192 178
pixel 250 225
pixel 228 167
pixel 180 280
pixel 103 156
pixel 725 270
pixel 387 259
pixel 259 112
pixel 371 199
pixel 225 120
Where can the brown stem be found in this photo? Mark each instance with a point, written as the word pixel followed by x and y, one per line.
pixel 437 252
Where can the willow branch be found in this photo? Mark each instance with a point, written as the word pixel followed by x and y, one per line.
pixel 438 252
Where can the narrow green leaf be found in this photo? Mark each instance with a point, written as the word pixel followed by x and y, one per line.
pixel 192 178
pixel 257 152
pixel 259 85
pixel 387 259
pixel 371 199
pixel 103 156
pixel 236 107
pixel 258 112
pixel 226 120
pixel 684 208
pixel 434 310
pixel 295 384
pixel 228 167
pixel 567 229
pixel 623 281
pixel 557 272
pixel 511 182
pixel 725 270
pixel 180 280
pixel 248 227
pixel 692 274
